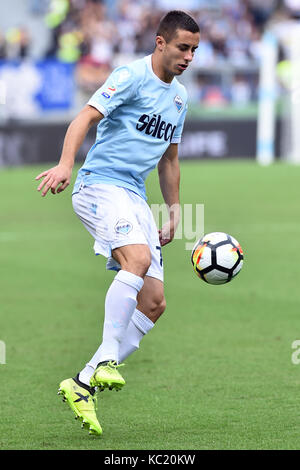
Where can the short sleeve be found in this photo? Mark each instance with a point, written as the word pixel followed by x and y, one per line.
pixel 117 89
pixel 176 139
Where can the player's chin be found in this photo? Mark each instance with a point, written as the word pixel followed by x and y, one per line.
pixel 178 72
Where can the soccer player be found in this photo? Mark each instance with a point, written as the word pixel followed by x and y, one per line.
pixel 140 112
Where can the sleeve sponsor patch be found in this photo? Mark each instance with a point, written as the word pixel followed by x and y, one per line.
pixel 109 92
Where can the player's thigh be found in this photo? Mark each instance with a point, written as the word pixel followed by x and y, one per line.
pixel 151 298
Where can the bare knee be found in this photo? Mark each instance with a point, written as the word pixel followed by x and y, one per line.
pixel 133 258
pixel 161 306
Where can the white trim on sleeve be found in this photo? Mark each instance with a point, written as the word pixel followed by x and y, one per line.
pixel 98 106
pixel 176 140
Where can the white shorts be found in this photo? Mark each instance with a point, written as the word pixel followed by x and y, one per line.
pixel 116 217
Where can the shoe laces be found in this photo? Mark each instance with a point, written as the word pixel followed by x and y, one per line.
pixel 114 365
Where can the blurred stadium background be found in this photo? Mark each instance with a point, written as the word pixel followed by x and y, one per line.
pixel 55 53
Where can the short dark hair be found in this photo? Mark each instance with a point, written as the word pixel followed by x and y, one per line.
pixel 173 21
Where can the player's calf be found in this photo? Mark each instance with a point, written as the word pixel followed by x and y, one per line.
pixel 151 298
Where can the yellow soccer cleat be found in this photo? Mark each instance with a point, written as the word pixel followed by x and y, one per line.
pixel 83 402
pixel 107 376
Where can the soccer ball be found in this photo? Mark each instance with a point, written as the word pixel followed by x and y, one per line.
pixel 217 258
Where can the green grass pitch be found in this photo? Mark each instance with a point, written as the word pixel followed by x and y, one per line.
pixel 214 373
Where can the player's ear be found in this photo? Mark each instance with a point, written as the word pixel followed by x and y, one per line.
pixel 160 43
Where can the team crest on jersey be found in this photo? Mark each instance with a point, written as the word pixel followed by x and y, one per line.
pixel 178 103
pixel 123 227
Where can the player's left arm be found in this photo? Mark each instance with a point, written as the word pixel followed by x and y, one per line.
pixel 169 179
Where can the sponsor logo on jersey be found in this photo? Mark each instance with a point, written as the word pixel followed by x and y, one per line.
pixel 111 90
pixel 178 103
pixel 123 227
pixel 156 127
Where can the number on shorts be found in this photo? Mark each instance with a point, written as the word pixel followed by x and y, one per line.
pixel 161 260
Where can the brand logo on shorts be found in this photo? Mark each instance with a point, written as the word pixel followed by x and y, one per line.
pixel 123 227
pixel 94 208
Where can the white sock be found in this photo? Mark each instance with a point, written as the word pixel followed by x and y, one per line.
pixel 139 325
pixel 86 374
pixel 120 303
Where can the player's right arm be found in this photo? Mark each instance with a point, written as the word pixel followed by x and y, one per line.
pixel 58 178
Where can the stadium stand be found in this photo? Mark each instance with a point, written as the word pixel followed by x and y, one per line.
pixel 55 53
pixel 96 35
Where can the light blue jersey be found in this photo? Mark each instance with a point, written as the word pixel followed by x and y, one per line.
pixel 142 116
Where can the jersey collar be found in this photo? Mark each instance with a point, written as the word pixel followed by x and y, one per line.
pixel 148 60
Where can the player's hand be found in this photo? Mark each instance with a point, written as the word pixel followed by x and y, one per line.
pixel 56 179
pixel 166 234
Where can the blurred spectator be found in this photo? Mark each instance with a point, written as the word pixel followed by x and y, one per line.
pixel 39 7
pixel 99 34
pixel 284 23
pixel 128 14
pixel 293 7
pixel 255 46
pixel 214 97
pixel 240 91
pixel 17 43
pixel 286 27
pixel 145 42
pixel 205 56
pixel 2 46
pixel 210 92
pixel 178 5
pixel 261 11
pixel 58 10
